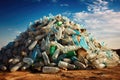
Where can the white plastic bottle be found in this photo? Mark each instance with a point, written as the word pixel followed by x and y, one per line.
pixel 16 67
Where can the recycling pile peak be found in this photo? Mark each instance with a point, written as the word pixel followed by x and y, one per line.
pixel 55 43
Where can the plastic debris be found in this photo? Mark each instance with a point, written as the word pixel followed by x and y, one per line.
pixel 54 43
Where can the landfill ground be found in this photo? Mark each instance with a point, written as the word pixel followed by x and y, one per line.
pixel 103 74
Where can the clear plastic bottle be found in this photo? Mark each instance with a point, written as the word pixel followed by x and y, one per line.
pixel 43 47
pixel 56 54
pixel 32 45
pixel 16 67
pixel 66 65
pixel 59 34
pixel 66 49
pixel 39 37
pixel 46 58
pixel 28 60
pixel 47 69
pixel 57 44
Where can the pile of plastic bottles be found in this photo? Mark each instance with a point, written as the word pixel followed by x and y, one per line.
pixel 55 43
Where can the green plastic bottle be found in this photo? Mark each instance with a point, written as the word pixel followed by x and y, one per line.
pixel 52 49
pixel 71 53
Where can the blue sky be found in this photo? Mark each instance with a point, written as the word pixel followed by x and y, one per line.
pixel 101 17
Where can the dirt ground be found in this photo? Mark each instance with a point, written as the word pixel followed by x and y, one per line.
pixel 103 74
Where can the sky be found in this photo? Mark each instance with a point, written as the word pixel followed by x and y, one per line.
pixel 101 18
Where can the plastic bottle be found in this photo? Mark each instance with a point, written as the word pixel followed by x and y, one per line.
pixel 61 57
pixel 66 49
pixel 32 45
pixel 28 60
pixel 68 60
pixel 58 36
pixel 43 47
pixel 46 58
pixel 14 60
pixel 91 45
pixel 50 24
pixel 34 54
pixel 83 43
pixel 39 37
pixel 52 64
pixel 66 65
pixel 70 54
pixel 3 68
pixel 39 51
pixel 16 67
pixel 78 64
pixel 77 32
pixel 56 54
pixel 47 44
pixel 74 37
pixel 52 49
pixel 47 69
pixel 57 44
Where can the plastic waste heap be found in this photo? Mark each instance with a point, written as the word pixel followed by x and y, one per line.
pixel 55 43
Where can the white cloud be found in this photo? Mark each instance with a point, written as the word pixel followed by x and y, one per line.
pixel 98 6
pixel 102 22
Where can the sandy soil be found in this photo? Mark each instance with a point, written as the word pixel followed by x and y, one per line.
pixel 103 74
